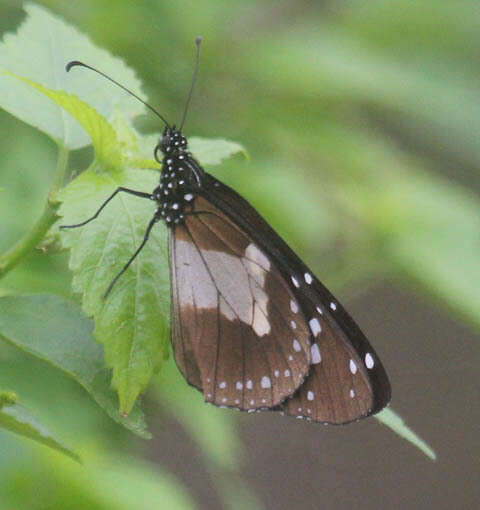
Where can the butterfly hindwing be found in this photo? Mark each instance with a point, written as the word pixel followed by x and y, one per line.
pixel 238 333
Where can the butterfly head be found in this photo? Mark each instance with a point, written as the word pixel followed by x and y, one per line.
pixel 172 142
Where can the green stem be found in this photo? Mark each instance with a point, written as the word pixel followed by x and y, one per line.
pixel 23 247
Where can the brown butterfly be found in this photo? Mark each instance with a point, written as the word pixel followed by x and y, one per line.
pixel 252 327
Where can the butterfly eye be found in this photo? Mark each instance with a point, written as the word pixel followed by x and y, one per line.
pixel 165 142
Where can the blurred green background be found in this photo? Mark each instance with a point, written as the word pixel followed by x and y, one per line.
pixel 362 121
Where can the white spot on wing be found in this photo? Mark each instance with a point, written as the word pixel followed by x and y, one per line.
pixel 319 310
pixel 265 382
pixel 188 197
pixel 369 360
pixel 296 346
pixel 308 278
pixel 333 306
pixel 249 384
pixel 353 367
pixel 352 393
pixel 295 281
pixel 293 324
pixel 239 385
pixel 310 395
pixel 316 356
pixel 224 399
pixel 222 385
pixel 276 373
pixel 315 326
pixel 293 306
pixel 287 373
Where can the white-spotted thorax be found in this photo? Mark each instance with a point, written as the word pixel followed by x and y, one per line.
pixel 180 179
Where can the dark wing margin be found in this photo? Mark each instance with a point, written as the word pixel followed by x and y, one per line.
pixel 238 333
pixel 347 380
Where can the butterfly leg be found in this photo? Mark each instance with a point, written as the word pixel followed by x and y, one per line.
pixel 132 258
pixel 140 194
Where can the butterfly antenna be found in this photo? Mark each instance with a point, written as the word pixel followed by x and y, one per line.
pixel 75 63
pixel 198 42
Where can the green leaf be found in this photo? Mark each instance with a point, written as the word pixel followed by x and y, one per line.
pixel 389 418
pixel 56 331
pixel 133 323
pixel 17 419
pixel 39 52
pixel 208 151
pixel 107 147
pixel 213 151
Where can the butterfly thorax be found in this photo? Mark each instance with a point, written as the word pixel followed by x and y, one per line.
pixel 181 177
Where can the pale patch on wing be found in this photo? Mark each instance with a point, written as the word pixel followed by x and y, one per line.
pixel 231 280
pixel 245 299
pixel 255 261
pixel 195 284
pixel 227 310
pixel 260 325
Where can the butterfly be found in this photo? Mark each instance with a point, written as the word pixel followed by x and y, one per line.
pixel 252 327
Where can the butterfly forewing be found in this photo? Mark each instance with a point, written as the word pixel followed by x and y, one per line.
pixel 238 332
